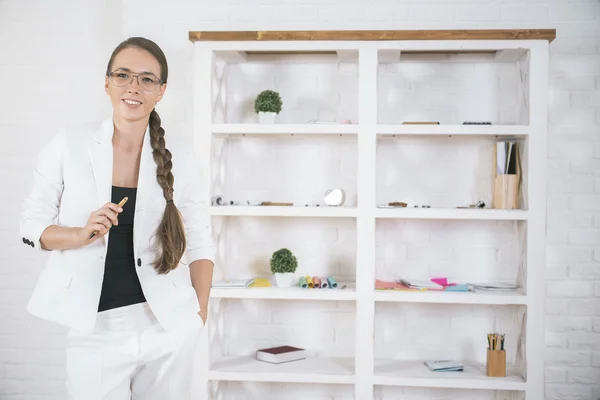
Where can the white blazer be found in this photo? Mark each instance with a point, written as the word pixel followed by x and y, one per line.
pixel 73 177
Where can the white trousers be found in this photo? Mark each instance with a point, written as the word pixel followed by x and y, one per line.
pixel 130 356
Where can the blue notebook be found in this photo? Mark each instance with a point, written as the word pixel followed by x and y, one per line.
pixel 459 287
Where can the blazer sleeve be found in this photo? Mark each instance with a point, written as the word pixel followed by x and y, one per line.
pixel 193 205
pixel 40 208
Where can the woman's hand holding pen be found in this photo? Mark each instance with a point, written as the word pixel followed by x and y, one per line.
pixel 99 222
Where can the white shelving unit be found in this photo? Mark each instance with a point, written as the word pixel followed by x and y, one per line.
pixel 214 51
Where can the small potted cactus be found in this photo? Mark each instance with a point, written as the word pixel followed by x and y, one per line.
pixel 267 105
pixel 283 266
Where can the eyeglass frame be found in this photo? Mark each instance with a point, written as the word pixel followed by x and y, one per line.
pixel 137 78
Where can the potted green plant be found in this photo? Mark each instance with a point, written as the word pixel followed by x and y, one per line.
pixel 283 266
pixel 267 105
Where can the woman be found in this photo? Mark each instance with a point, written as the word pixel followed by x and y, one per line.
pixel 114 274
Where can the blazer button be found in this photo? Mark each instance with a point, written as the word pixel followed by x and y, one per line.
pixel 139 262
pixel 32 245
pixel 25 241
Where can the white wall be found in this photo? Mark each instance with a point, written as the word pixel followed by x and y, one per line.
pixel 52 66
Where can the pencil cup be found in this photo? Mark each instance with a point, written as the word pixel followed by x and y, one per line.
pixel 496 363
pixel 506 191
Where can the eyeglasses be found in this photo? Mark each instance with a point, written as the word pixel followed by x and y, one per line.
pixel 148 82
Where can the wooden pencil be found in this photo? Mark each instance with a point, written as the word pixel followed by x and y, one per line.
pixel 121 204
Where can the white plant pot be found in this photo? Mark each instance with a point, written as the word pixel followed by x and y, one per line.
pixel 266 117
pixel 284 280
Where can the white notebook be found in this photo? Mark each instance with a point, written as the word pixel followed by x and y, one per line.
pixel 492 286
pixel 233 283
pixel 444 365
pixel 420 283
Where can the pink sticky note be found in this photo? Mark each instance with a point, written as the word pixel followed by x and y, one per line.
pixel 442 281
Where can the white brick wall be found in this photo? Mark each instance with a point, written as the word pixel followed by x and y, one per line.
pixel 458 250
pixel 52 64
pixel 430 331
pixel 325 164
pixel 417 91
pixel 323 247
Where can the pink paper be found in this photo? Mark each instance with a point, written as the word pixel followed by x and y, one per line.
pixel 442 281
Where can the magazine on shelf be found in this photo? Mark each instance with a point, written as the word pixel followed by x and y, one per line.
pixel 492 286
pixel 233 283
pixel 420 284
pixel 444 365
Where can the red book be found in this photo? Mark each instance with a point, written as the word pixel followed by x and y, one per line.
pixel 280 354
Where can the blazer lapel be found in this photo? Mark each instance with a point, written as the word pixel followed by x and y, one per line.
pixel 101 156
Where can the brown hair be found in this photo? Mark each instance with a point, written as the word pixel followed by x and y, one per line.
pixel 170 232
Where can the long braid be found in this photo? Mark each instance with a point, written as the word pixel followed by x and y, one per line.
pixel 171 231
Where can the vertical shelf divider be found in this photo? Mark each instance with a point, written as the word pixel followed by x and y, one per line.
pixel 365 229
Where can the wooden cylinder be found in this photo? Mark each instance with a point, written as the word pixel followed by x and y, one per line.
pixel 496 363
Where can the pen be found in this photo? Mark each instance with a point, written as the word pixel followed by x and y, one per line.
pixel 121 204
pixel 496 341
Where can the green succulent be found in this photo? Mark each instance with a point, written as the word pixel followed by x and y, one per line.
pixel 283 261
pixel 268 101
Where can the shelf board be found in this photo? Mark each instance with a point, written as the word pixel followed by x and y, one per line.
pixel 283 129
pixel 292 293
pixel 383 130
pixel 452 213
pixel 483 298
pixel 283 211
pixel 376 35
pixel 310 370
pixel 416 373
pixel 391 130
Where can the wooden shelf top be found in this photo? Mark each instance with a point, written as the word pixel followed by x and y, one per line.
pixel 475 34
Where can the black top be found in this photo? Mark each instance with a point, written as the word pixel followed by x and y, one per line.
pixel 121 286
